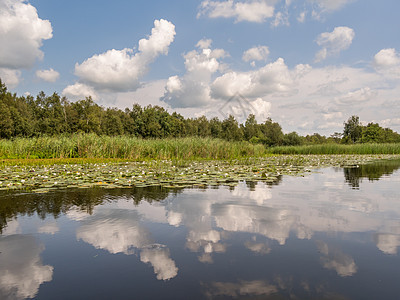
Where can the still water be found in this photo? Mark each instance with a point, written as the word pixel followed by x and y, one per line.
pixel 333 234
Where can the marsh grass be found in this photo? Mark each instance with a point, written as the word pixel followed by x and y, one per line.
pixel 91 146
pixel 337 149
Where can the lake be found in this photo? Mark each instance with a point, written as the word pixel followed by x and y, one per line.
pixel 332 234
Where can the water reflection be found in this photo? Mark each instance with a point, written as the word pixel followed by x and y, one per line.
pixel 355 175
pixel 120 231
pixel 22 271
pixel 307 237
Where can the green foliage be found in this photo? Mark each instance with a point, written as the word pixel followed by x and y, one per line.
pixel 124 147
pixel 352 129
pixel 48 116
pixel 337 149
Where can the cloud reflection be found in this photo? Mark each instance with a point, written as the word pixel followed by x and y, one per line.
pixel 22 271
pixel 120 231
pixel 241 288
pixel 158 257
pixel 335 259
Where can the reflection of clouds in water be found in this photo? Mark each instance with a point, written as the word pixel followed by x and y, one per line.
pixel 49 228
pixel 12 228
pixel 174 218
pixel 158 257
pixel 119 231
pixel 387 242
pixel 242 288
pixel 22 271
pixel 260 248
pixel 116 231
pixel 259 195
pixel 77 214
pixel 335 259
pixel 270 222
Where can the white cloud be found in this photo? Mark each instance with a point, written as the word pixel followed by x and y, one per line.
pixel 320 7
pixel 193 89
pixel 334 42
pixel 251 11
pixel 121 70
pixel 272 78
pixel 387 58
pixel 204 43
pixel 21 34
pixel 79 91
pixel 256 53
pixel 281 18
pixel 358 96
pixel 48 75
pixel 387 62
pixel 330 5
pixel 22 271
pixel 10 77
pixel 302 17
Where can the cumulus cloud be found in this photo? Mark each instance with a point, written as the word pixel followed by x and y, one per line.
pixel 10 77
pixel 334 42
pixel 121 70
pixel 22 271
pixel 79 91
pixel 272 78
pixel 387 62
pixel 21 34
pixel 193 89
pixel 256 53
pixel 251 11
pixel 48 75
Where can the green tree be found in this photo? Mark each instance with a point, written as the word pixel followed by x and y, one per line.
pixel 272 134
pixel 352 129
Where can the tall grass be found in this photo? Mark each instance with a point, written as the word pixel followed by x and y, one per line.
pixel 337 149
pixel 124 147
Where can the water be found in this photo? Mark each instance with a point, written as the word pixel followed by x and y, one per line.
pixel 333 234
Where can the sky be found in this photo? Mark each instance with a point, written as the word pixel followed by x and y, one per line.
pixel 307 64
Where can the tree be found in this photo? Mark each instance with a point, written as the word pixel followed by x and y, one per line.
pixel 231 130
pixel 352 129
pixel 272 134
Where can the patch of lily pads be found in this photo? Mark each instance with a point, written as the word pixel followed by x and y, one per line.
pixel 171 174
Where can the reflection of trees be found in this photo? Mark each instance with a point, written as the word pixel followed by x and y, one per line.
pixel 373 171
pixel 59 202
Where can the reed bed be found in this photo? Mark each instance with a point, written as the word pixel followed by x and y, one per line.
pixel 124 147
pixel 337 149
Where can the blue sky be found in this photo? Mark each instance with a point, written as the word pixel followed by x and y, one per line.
pixel 307 64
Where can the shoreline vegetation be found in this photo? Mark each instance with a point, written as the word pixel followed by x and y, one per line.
pixel 91 147
pixel 168 174
pixel 49 143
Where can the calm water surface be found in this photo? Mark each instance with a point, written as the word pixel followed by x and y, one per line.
pixel 330 235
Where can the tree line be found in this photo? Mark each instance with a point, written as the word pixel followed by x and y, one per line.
pixel 28 116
